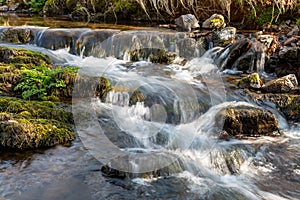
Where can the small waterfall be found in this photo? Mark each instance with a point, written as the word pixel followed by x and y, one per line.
pixel 243 55
pixel 118 98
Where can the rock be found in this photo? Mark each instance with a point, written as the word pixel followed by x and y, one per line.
pixel 31 124
pixel 290 40
pixel 89 40
pixel 216 21
pixel 57 39
pixel 248 56
pixel 270 43
pixel 233 52
pixel 227 35
pixel 288 104
pixel 248 121
pixel 284 84
pixel 187 22
pixel 17 35
pixel 19 57
pixel 289 53
pixel 3 8
pixel 154 55
pixel 169 167
pixel 251 81
pixel 294 31
pixel 14 7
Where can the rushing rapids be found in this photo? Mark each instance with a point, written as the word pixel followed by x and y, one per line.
pixel 156 134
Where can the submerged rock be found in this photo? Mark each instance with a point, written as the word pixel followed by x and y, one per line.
pixel 284 84
pixel 248 121
pixel 154 55
pixel 187 22
pixel 171 167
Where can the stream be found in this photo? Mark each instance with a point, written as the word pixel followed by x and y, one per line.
pixel 167 145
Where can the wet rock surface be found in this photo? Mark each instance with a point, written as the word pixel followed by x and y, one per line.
pixel 284 84
pixel 248 121
pixel 17 36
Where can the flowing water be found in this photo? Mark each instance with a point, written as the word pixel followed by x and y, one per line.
pixel 167 144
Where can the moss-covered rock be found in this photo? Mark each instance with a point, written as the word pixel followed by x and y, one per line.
pixel 22 57
pixel 17 35
pixel 288 104
pixel 248 121
pixel 251 81
pixel 154 55
pixel 31 124
pixel 216 21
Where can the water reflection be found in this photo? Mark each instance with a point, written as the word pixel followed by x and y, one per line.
pixel 12 19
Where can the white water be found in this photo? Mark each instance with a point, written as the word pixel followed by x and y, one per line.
pixel 195 140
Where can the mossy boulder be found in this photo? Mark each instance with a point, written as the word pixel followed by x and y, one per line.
pixel 22 57
pixel 216 21
pixel 31 124
pixel 154 55
pixel 288 104
pixel 17 35
pixel 243 121
pixel 251 81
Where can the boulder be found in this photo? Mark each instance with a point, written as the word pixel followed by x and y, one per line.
pixel 270 43
pixel 187 22
pixel 152 54
pixel 17 35
pixel 284 84
pixel 3 8
pixel 248 121
pixel 226 35
pixel 251 81
pixel 216 21
pixel 289 53
pixel 288 104
pixel 57 39
pixel 233 52
pixel 32 124
pixel 294 31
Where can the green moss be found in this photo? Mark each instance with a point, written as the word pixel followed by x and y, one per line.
pixel 32 124
pixel 10 55
pixel 37 109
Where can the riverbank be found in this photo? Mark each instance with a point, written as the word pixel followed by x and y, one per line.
pixel 252 14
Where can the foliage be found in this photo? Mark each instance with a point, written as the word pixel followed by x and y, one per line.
pixel 36 5
pixel 298 22
pixel 261 15
pixel 39 81
pixel 198 7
